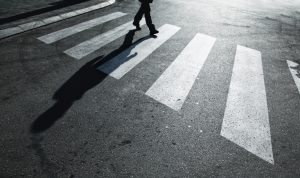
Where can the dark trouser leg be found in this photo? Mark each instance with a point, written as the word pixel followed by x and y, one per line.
pixel 149 21
pixel 138 16
pixel 148 18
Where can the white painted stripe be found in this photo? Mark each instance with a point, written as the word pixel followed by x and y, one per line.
pixel 173 86
pixel 10 31
pixel 128 59
pixel 246 119
pixel 85 48
pixel 32 25
pixel 295 71
pixel 58 35
pixel 35 24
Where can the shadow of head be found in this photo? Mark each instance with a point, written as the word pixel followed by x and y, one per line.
pixel 73 89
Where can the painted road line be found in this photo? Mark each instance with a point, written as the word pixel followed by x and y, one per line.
pixel 85 48
pixel 128 59
pixel 31 25
pixel 39 23
pixel 61 34
pixel 295 71
pixel 10 31
pixel 246 118
pixel 173 86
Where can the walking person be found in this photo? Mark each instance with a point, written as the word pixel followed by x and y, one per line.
pixel 145 10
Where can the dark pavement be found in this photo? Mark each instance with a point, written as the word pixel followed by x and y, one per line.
pixel 60 117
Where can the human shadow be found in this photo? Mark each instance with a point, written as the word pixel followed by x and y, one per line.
pixel 54 6
pixel 83 80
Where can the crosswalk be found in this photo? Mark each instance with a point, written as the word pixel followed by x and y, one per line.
pixel 295 71
pixel 61 34
pixel 175 83
pixel 246 120
pixel 246 117
pixel 120 65
pixel 85 48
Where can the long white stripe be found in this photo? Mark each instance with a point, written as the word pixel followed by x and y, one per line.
pixel 295 71
pixel 246 119
pixel 173 86
pixel 58 35
pixel 128 59
pixel 85 48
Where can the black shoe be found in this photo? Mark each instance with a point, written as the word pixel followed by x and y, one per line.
pixel 153 32
pixel 137 26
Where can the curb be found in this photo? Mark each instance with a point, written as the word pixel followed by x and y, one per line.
pixel 36 24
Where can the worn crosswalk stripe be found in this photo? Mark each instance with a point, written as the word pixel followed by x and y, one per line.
pixel 61 34
pixel 246 118
pixel 173 86
pixel 128 59
pixel 295 71
pixel 85 48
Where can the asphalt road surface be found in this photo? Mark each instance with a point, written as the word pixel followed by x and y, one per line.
pixel 215 94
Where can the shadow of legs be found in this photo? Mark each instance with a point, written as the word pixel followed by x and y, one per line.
pixel 87 77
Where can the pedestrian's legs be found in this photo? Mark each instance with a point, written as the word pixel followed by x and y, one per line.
pixel 138 16
pixel 149 20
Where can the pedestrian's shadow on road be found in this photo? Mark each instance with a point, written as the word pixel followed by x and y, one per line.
pixel 83 80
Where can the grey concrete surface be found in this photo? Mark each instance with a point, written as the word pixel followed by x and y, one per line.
pixel 103 127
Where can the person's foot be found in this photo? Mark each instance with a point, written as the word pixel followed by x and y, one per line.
pixel 153 32
pixel 137 26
